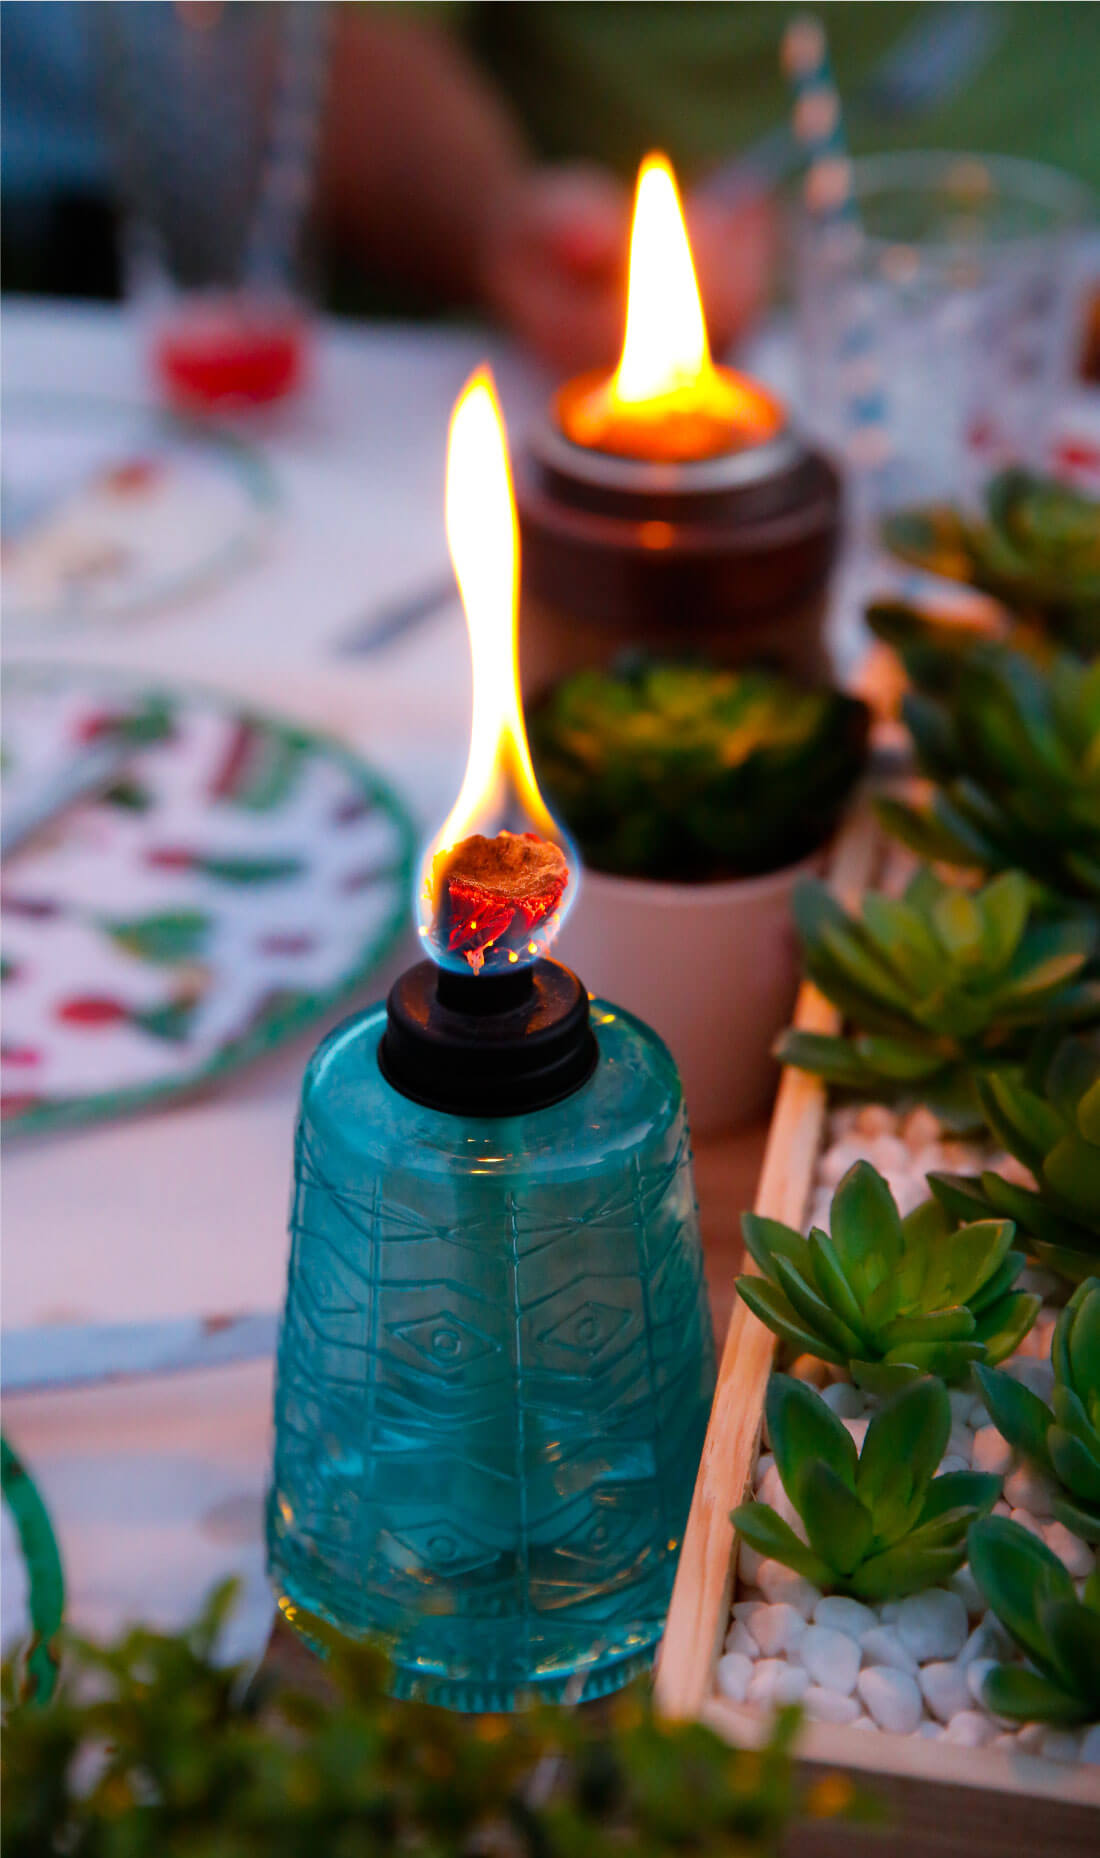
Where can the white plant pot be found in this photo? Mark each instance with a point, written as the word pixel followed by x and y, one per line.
pixel 713 968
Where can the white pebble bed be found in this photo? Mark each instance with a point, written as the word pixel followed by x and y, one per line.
pixel 912 1666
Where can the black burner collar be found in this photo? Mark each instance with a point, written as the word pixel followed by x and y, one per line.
pixel 487 1044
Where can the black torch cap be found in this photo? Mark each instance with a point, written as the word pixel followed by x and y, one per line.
pixel 497 1044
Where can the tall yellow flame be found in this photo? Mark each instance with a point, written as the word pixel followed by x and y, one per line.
pixel 665 347
pixel 499 790
pixel 666 399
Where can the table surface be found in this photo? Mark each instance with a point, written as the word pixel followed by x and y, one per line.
pixel 156 1487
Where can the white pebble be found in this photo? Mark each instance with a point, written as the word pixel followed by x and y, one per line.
pixel 954 1461
pixel 1006 1739
pixel 1060 1745
pixel 849 1616
pixel 979 1414
pixel 821 1207
pixel 845 1400
pixel 778 1628
pixel 976 1673
pixel 1090 1745
pixel 776 1681
pixel 740 1639
pixel 875 1119
pixel 733 1673
pixel 771 1491
pixel 970 1729
pixel 962 1582
pixel 828 1706
pixel 748 1563
pixel 858 1430
pixel 909 1190
pixel 892 1698
pixel 960 1444
pixel 889 1155
pixel 831 1658
pixel 919 1128
pixel 1030 1737
pixel 1038 1375
pixel 777 1583
pixel 882 1646
pixel 961 1400
pixel 988 1640
pixel 1027 1489
pixel 745 1611
pixel 842 1120
pixel 1001 1508
pixel 836 1161
pixel 928 1159
pixel 991 1452
pixel 866 1722
pixel 945 1689
pixel 764 1464
pixel 930 1731
pixel 1069 1548
pixel 932 1624
pixel 889 1610
pixel 1027 1521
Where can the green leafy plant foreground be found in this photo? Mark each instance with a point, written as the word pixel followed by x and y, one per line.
pixel 1063 1439
pixel 688 773
pixel 879 1523
pixel 151 1749
pixel 937 985
pixel 1050 1123
pixel 1034 1598
pixel 1037 549
pixel 887 1297
pixel 1013 747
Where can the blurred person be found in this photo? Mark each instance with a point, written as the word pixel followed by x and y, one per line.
pixel 481 154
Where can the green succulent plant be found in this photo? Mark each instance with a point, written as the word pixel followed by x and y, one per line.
pixel 885 1297
pixel 1051 1123
pixel 686 773
pixel 1034 1598
pixel 879 1523
pixel 1063 1439
pixel 1013 747
pixel 1038 551
pixel 937 984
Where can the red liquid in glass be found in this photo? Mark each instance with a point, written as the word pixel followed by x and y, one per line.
pixel 214 358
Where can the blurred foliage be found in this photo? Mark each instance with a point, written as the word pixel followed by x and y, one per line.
pixel 1037 549
pixel 151 1749
pixel 1011 742
pixel 1035 1600
pixel 686 773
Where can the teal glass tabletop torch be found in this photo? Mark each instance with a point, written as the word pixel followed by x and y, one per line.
pixel 495 1365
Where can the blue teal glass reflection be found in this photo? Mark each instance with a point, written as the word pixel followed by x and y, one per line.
pixel 494 1373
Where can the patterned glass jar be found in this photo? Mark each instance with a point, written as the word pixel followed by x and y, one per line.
pixel 494 1373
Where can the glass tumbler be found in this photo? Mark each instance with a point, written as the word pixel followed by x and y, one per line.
pixel 494 1373
pixel 212 108
pixel 945 306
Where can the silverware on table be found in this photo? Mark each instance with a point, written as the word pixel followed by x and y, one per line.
pixel 62 1355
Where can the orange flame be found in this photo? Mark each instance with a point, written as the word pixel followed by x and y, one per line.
pixel 666 399
pixel 499 791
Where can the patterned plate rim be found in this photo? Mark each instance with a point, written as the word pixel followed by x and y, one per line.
pixel 249 466
pixel 275 1029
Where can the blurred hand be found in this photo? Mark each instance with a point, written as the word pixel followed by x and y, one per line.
pixel 555 264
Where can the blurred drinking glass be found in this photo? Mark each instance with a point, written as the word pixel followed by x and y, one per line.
pixel 935 323
pixel 212 109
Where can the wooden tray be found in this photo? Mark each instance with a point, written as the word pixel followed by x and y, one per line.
pixel 942 1799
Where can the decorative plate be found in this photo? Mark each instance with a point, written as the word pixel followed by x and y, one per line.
pixel 236 878
pixel 110 509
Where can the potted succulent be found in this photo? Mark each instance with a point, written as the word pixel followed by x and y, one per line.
pixel 697 797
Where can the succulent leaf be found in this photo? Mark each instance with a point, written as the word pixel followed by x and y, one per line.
pixel 1063 1439
pixel 802 1427
pixel 1033 1596
pixel 886 1297
pixel 924 1028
